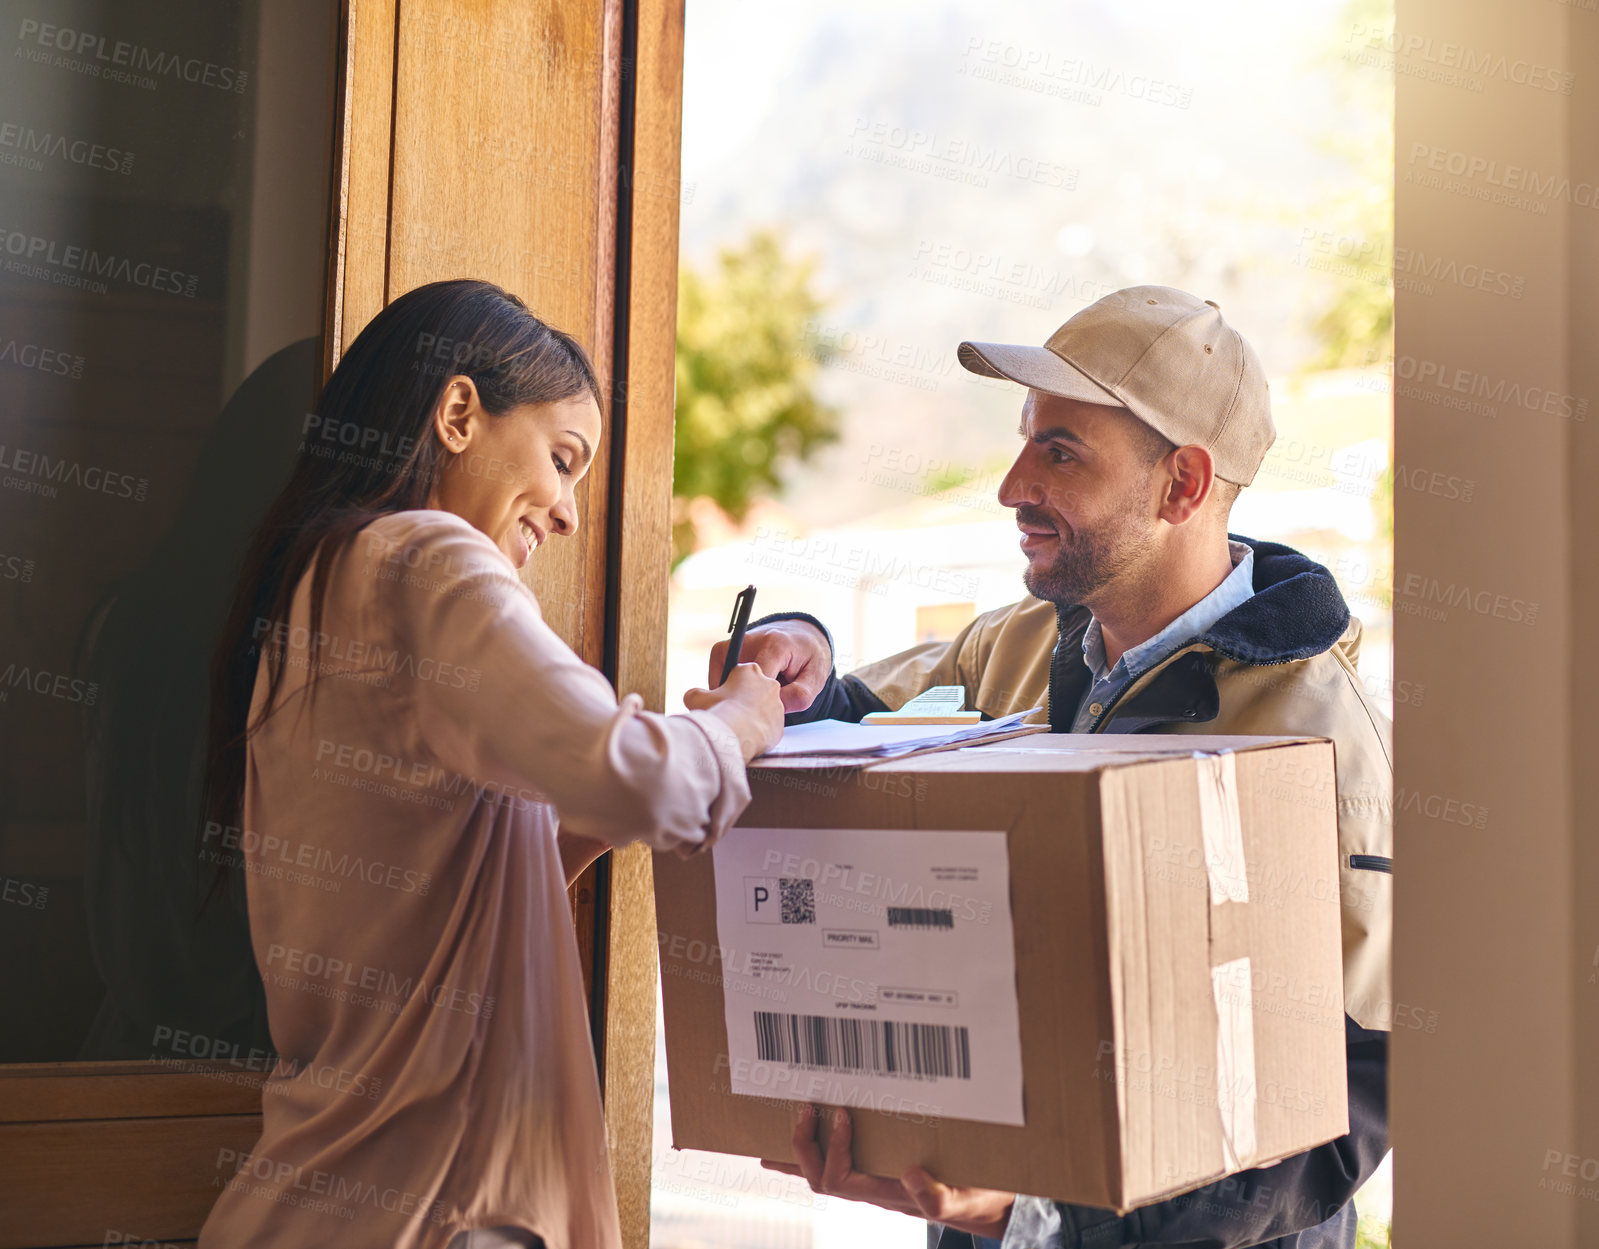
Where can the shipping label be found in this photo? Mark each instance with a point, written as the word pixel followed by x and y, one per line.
pixel 871 968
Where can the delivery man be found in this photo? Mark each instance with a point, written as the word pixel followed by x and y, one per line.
pixel 1144 416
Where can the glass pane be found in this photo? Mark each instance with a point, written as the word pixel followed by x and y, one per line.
pixel 164 171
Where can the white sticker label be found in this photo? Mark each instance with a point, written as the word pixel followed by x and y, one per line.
pixel 871 968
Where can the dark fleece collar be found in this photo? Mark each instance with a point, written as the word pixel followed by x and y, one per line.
pixel 1297 610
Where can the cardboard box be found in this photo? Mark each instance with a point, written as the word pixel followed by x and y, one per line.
pixel 1146 1071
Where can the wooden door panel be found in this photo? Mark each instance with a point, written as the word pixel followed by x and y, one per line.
pixel 359 276
pixel 117 1178
pixel 504 168
pixel 37 1092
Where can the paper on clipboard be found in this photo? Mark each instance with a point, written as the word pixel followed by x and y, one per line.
pixel 842 740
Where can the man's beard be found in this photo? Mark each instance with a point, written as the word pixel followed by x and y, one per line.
pixel 1086 560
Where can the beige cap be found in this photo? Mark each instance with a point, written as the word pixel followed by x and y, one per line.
pixel 1163 354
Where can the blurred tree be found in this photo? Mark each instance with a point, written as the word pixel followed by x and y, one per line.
pixel 1373 1233
pixel 747 361
pixel 1357 327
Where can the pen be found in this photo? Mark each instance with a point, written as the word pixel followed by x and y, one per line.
pixel 737 625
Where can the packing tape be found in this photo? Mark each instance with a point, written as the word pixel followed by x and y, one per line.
pixel 1230 985
pixel 1221 828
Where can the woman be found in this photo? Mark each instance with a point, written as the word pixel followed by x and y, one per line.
pixel 413 767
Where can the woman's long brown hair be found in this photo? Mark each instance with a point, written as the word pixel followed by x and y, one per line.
pixel 369 450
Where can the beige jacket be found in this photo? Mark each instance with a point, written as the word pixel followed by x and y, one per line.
pixel 1003 660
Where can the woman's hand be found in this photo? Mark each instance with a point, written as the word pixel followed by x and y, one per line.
pixel 750 703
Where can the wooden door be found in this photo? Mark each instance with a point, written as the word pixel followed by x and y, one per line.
pixel 534 144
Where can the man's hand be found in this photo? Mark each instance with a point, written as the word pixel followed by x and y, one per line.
pixel 796 654
pixel 980 1211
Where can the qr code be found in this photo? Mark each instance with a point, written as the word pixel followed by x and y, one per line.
pixel 799 900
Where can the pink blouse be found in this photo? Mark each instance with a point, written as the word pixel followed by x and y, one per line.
pixel 408 909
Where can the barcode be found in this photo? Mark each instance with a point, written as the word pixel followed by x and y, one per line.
pixel 881 1046
pixel 798 898
pixel 919 917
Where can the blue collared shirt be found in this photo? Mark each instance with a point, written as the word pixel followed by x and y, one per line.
pixel 1107 685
